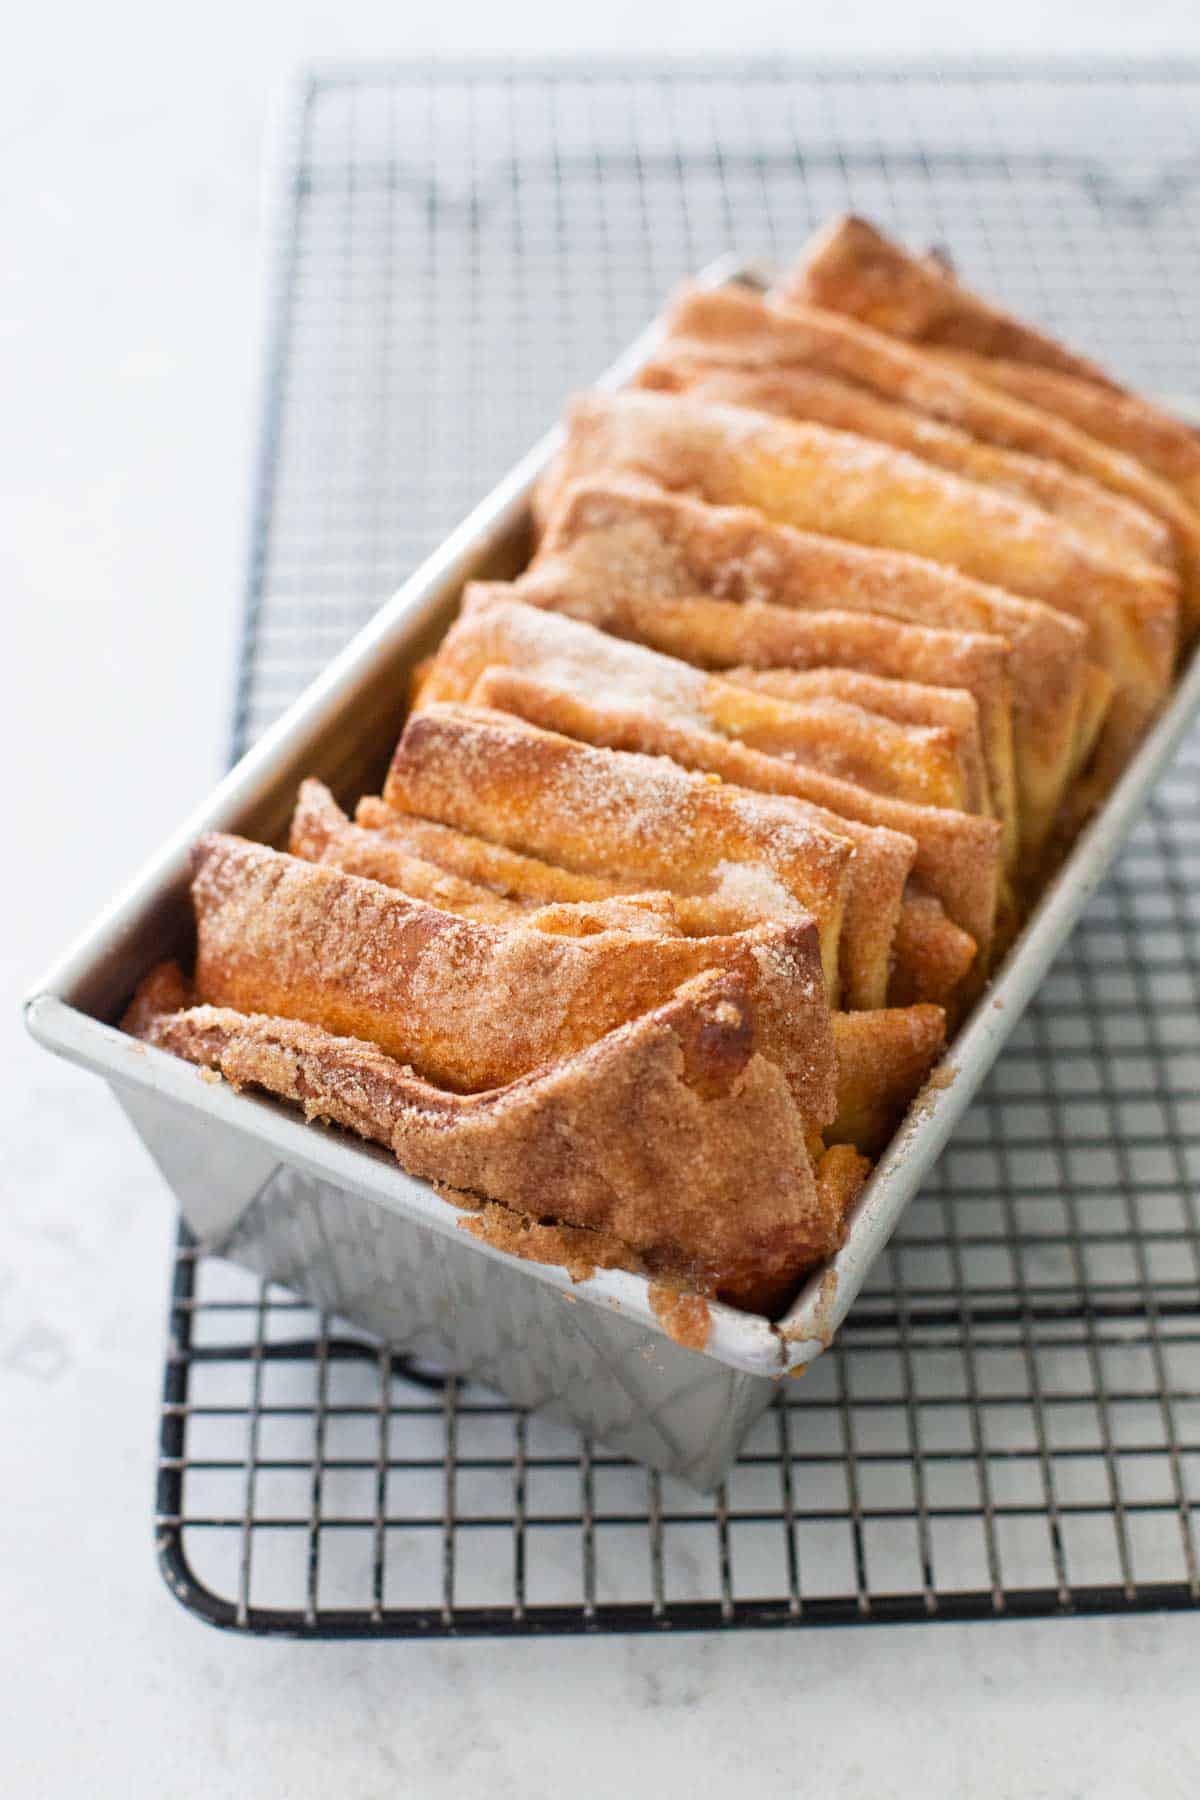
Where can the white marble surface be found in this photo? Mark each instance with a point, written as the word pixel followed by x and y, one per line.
pixel 129 314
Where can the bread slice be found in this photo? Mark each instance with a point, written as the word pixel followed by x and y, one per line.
pixel 688 1156
pixel 616 552
pixel 641 820
pixel 472 1006
pixel 649 821
pixel 849 266
pixel 817 479
pixel 931 957
pixel 953 711
pixel 321 833
pixel 883 1059
pixel 1088 423
pixel 325 834
pixel 957 855
pixel 907 760
pixel 852 268
pixel 1117 525
pixel 1125 422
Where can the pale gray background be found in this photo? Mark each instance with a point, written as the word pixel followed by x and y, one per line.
pixel 131 139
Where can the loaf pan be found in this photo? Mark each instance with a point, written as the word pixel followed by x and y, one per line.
pixel 337 1221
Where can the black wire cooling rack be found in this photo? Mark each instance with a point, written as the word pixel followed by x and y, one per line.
pixel 1009 1422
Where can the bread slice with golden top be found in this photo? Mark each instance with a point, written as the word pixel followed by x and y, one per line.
pixel 670 1145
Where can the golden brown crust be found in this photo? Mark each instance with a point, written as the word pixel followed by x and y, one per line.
pixel 529 880
pixel 321 832
pixel 934 959
pixel 580 1250
pixel 876 893
pixel 930 956
pixel 883 1060
pixel 646 817
pixel 957 855
pixel 929 381
pixel 640 819
pixel 876 661
pixel 813 478
pixel 641 539
pixel 841 1174
pixel 671 1135
pixel 1093 711
pixel 1119 526
pixel 773 336
pixel 849 266
pixel 952 710
pixel 165 989
pixel 1126 422
pixel 908 760
pixel 684 1317
pixel 532 883
pixel 473 1006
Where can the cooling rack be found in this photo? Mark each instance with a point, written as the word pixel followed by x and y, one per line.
pixel 1009 1422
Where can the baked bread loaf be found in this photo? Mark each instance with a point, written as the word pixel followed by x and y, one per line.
pixel 704 831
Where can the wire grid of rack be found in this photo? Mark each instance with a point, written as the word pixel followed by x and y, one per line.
pixel 1009 1423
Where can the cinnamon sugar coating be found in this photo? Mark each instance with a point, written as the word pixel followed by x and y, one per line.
pixel 1126 422
pixel 883 1058
pixel 817 479
pixel 321 833
pixel 472 1006
pixel 958 856
pixel 636 539
pixel 953 711
pixel 910 760
pixel 640 818
pixel 696 365
pixel 672 1138
pixel 850 266
pixel 528 880
pixel 553 794
pixel 869 660
pixel 1118 439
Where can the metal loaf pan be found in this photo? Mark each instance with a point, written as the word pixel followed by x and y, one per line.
pixel 336 1220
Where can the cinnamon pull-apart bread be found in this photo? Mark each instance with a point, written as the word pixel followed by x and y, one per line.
pixel 520 885
pixel 471 1005
pixel 1154 458
pixel 849 266
pixel 1124 421
pixel 732 348
pixel 783 332
pixel 848 486
pixel 649 556
pixel 908 760
pixel 515 659
pixel 671 1145
pixel 652 821
pixel 704 831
